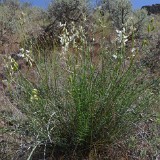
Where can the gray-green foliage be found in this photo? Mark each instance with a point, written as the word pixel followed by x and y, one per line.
pixel 8 21
pixel 66 11
pixel 119 10
pixel 19 20
pixel 8 14
pixel 138 20
pixel 13 3
pixel 122 15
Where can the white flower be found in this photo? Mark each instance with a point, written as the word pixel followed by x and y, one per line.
pixel 72 37
pixel 62 25
pixel 67 33
pixel 5 82
pixel 121 37
pixel 20 55
pixel 27 51
pixel 125 37
pixel 114 56
pixel 132 28
pixel 118 31
pixel 21 49
pixel 9 57
pixel 133 55
pixel 64 49
pixel 61 40
pixel 100 7
pixel 124 30
pixel 124 41
pixel 22 13
pixel 133 50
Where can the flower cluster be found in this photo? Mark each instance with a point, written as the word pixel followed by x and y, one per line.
pixel 76 35
pixel 64 38
pixel 25 54
pixel 115 56
pixel 34 95
pixel 11 65
pixel 121 37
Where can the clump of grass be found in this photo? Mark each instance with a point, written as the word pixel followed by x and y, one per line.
pixel 74 105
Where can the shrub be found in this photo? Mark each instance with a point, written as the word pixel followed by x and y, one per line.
pixel 19 23
pixel 66 11
pixel 122 15
pixel 119 11
pixel 63 12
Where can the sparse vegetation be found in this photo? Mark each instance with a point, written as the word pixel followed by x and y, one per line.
pixel 83 83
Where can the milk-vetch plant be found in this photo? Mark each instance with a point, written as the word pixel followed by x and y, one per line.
pixel 78 105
